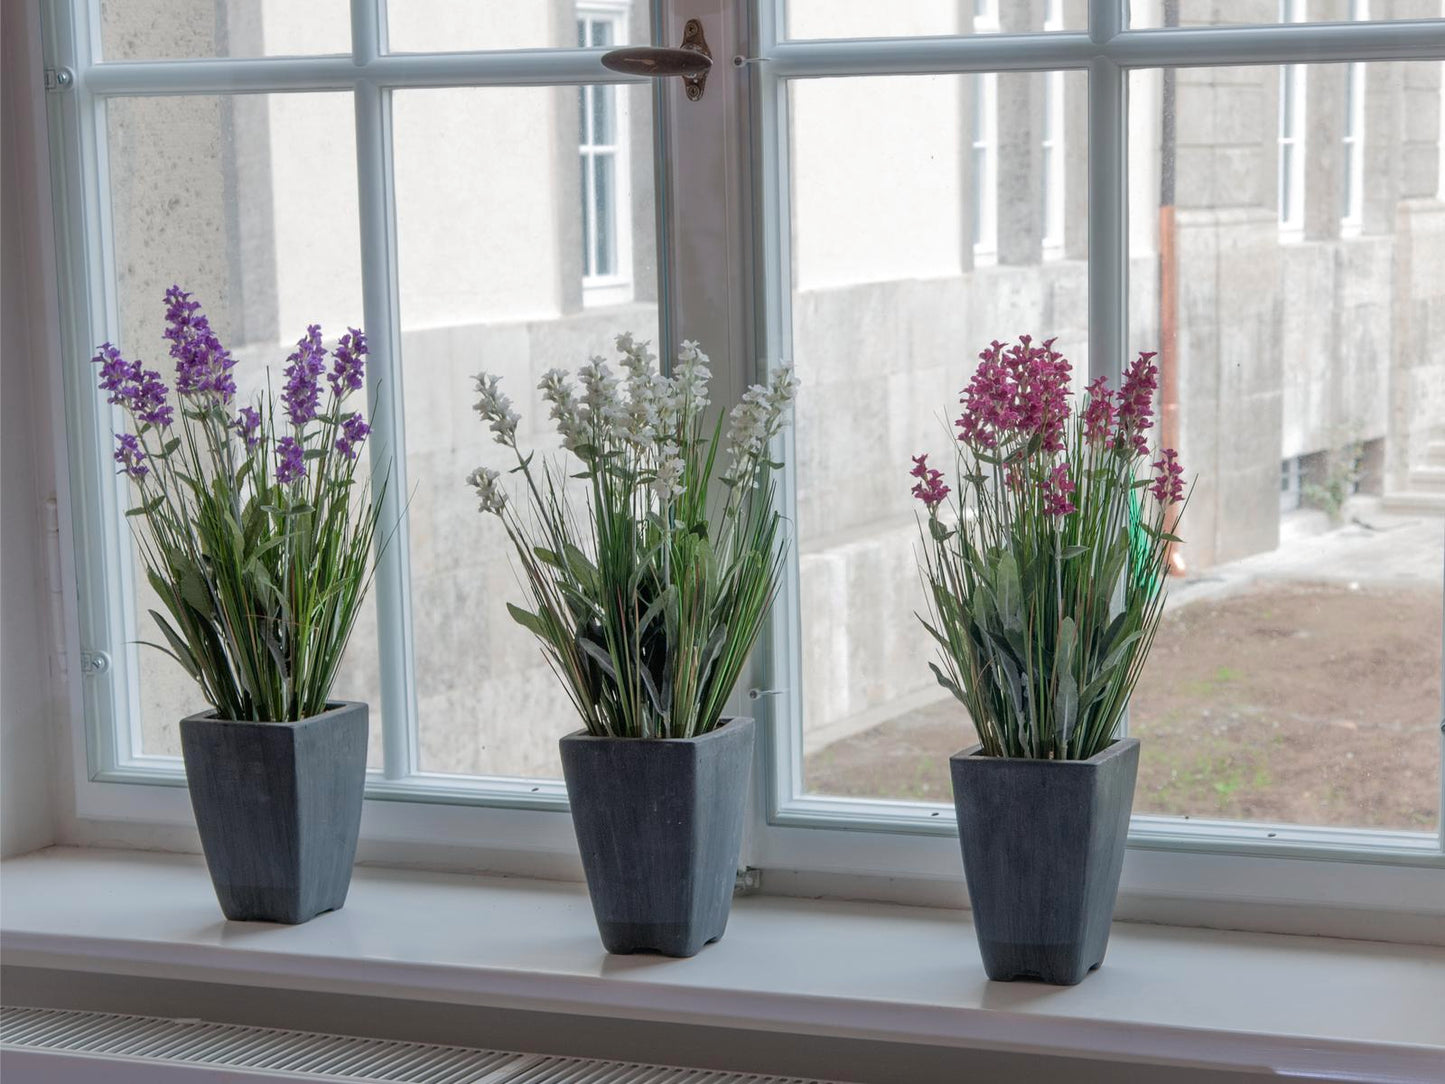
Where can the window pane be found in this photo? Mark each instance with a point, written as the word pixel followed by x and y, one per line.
pixel 490 228
pixel 439 26
pixel 1148 13
pixel 204 192
pixel 927 18
pixel 194 29
pixel 1296 677
pixel 604 205
pixel 602 107
pixel 889 312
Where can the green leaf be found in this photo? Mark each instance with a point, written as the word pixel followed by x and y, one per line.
pixel 1069 552
pixel 147 508
pixel 179 647
pixel 529 621
pixel 947 682
pixel 1007 593
pixel 192 587
pixel 1066 689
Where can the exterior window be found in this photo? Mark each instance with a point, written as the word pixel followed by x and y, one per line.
pixel 984 173
pixel 1291 133
pixel 603 175
pixel 1352 189
pixel 1053 148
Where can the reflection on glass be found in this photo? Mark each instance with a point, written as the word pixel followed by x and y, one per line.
pixel 499 239
pixel 439 26
pixel 204 194
pixel 895 182
pixel 927 18
pixel 196 29
pixel 1296 677
pixel 1152 13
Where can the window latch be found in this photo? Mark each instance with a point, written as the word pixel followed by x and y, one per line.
pixel 692 60
pixel 94 662
pixel 59 78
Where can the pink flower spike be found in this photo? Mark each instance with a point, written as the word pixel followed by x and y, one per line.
pixel 1136 401
pixel 930 488
pixel 1057 490
pixel 1168 487
pixel 1099 412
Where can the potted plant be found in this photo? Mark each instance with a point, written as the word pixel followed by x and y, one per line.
pixel 646 601
pixel 257 539
pixel 1044 576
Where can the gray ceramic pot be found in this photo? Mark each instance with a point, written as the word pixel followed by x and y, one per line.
pixel 278 806
pixel 1043 844
pixel 659 824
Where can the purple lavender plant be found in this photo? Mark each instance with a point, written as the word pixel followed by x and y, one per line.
pixel 267 522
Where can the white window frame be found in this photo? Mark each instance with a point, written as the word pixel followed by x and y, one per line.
pixel 1352 210
pixel 1197 866
pixel 723 172
pixel 616 288
pixel 1292 120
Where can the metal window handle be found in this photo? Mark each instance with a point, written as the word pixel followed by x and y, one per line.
pixel 692 60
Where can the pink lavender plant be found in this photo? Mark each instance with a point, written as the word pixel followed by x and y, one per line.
pixel 1045 574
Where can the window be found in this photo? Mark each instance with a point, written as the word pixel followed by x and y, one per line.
pixel 984 158
pixel 1291 133
pixel 1352 185
pixel 1054 181
pixel 985 167
pixel 605 183
pixel 873 212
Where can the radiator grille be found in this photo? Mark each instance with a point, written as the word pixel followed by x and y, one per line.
pixel 312 1056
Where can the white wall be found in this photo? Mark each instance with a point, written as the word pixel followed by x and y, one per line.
pixel 27 633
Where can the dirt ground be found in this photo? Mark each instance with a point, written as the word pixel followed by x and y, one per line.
pixel 1300 703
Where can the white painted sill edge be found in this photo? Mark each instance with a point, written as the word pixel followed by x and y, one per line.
pixel 906 974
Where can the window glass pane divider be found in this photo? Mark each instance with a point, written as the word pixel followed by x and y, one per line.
pixel 385 402
pixel 226 75
pixel 888 817
pixel 777 670
pixel 1181 47
pixel 100 540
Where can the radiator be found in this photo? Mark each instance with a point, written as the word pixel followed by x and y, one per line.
pixel 53 1046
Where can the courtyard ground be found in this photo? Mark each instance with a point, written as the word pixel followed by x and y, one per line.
pixel 1301 686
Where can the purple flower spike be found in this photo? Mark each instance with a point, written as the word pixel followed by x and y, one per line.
pixel 141 391
pixel 203 365
pixel 348 370
pixel 302 394
pixel 248 425
pixel 290 461
pixel 130 455
pixel 353 431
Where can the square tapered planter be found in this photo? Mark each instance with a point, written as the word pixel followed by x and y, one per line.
pixel 659 824
pixel 1043 846
pixel 278 806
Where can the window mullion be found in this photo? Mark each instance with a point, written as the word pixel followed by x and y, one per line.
pixel 380 308
pixel 1108 157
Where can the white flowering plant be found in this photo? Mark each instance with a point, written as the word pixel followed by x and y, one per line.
pixel 648 604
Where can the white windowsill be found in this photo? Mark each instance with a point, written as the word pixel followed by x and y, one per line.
pixel 885 972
